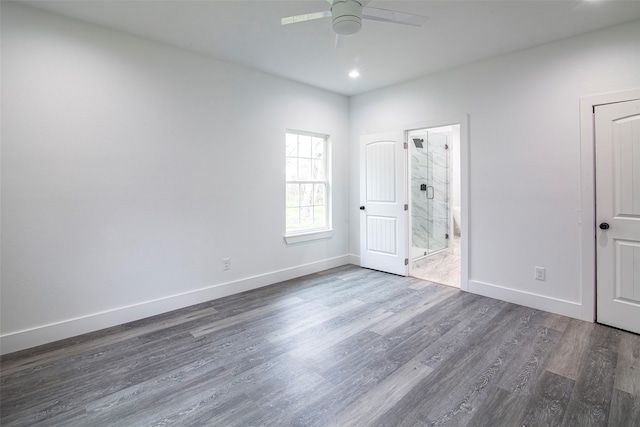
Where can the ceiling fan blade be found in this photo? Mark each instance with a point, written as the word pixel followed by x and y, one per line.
pixel 305 17
pixel 395 16
pixel 339 42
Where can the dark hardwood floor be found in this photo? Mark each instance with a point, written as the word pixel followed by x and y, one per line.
pixel 346 347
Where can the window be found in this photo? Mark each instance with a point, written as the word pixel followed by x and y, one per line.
pixel 307 177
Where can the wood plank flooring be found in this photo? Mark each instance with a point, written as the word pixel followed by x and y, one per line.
pixel 345 347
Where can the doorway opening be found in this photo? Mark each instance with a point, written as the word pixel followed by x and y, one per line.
pixel 435 204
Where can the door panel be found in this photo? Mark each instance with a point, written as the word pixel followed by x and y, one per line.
pixel 382 234
pixel 626 145
pixel 382 198
pixel 381 172
pixel 618 206
pixel 628 281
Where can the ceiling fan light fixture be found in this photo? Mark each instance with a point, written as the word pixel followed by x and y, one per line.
pixel 347 25
pixel 347 17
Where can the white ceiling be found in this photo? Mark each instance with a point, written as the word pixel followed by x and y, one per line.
pixel 249 33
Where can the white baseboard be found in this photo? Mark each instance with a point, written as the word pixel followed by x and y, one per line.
pixel 540 302
pixel 354 259
pixel 44 334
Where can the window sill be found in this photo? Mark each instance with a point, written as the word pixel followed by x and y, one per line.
pixel 308 236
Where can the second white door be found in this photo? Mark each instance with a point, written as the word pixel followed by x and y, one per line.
pixel 617 143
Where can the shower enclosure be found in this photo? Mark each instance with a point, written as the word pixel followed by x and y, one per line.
pixel 429 192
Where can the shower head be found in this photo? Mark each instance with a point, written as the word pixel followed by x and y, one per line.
pixel 418 142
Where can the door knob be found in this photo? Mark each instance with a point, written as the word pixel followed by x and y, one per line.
pixel 604 226
pixel 361 208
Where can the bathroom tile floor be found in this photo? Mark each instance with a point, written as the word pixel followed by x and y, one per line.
pixel 443 267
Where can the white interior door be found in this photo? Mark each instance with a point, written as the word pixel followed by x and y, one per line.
pixel 617 133
pixel 383 217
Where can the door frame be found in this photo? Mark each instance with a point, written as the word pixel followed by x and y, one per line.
pixel 587 212
pixel 465 223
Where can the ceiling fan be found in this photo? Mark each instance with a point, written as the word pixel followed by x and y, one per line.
pixel 347 16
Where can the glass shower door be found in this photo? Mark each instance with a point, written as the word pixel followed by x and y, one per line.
pixel 437 191
pixel 429 192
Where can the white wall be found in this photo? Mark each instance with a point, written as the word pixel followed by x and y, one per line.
pixel 130 169
pixel 524 156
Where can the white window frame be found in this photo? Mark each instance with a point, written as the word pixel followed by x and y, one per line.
pixel 308 234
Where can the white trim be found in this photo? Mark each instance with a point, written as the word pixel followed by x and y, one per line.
pixel 308 236
pixel 540 302
pixel 308 133
pixel 44 334
pixel 463 121
pixel 354 259
pixel 588 198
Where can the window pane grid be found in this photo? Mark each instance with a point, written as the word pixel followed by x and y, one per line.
pixel 306 182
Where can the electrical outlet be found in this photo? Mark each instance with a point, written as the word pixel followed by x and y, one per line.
pixel 540 273
pixel 226 263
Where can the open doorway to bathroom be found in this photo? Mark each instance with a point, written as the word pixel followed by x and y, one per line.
pixel 435 204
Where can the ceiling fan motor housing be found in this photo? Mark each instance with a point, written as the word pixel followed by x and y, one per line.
pixel 347 17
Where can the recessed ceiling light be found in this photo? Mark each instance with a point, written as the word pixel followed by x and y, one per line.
pixel 354 74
